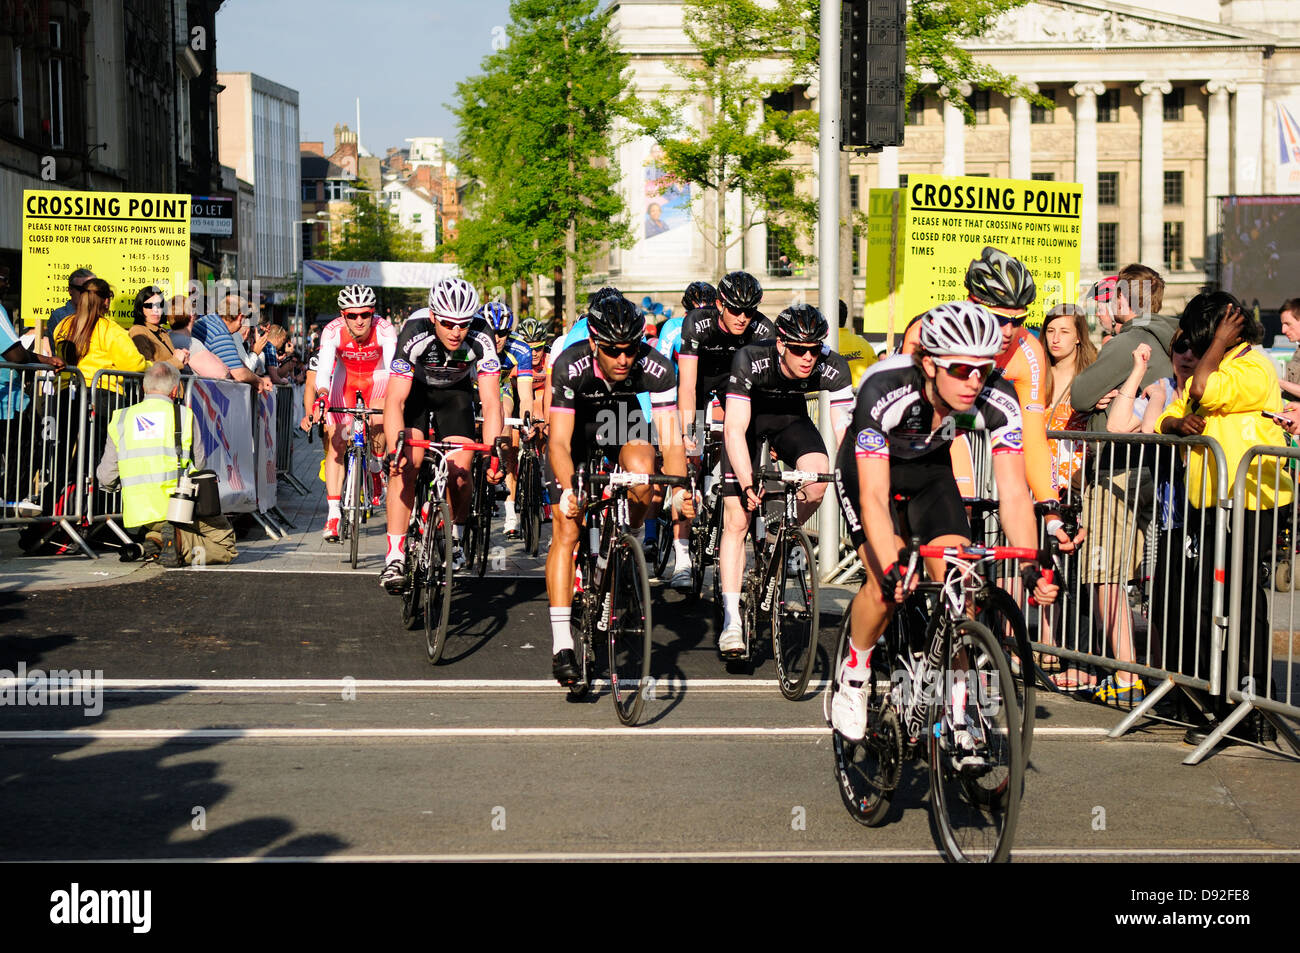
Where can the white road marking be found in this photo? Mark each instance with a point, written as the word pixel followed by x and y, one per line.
pixel 440 686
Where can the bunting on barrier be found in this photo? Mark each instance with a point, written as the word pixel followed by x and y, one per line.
pixel 223 411
pixel 265 438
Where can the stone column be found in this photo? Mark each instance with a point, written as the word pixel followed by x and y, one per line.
pixel 1248 139
pixel 1218 165
pixel 1085 170
pixel 1151 222
pixel 954 137
pixel 887 168
pixel 1021 146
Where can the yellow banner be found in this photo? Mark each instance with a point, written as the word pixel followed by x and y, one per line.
pixel 945 222
pixel 130 239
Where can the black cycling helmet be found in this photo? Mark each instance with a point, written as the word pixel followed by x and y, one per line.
pixel 615 320
pixel 698 294
pixel 801 324
pixel 601 293
pixel 740 291
pixel 996 280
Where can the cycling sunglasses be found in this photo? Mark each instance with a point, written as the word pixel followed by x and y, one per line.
pixel 1004 320
pixel 627 350
pixel 359 315
pixel 453 325
pixel 965 370
pixel 803 350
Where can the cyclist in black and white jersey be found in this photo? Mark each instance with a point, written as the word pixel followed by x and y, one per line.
pixel 444 353
pixel 595 413
pixel 767 398
pixel 909 410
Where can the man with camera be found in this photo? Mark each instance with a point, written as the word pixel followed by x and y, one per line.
pixel 141 455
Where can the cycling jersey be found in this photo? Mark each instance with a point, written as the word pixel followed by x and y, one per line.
pixel 365 363
pixel 516 359
pixel 444 400
pixel 704 340
pixel 579 333
pixel 608 413
pixel 669 342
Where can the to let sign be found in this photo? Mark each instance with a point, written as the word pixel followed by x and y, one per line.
pixel 212 216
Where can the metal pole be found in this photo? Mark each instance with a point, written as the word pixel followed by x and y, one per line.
pixel 828 254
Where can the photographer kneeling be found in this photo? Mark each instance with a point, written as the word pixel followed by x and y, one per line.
pixel 141 450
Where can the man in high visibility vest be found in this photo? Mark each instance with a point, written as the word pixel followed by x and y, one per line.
pixel 141 452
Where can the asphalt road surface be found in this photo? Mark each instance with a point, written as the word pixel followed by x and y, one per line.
pixel 289 715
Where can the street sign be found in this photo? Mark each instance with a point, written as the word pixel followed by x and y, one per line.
pixel 212 215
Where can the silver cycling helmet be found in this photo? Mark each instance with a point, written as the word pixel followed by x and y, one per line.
pixel 454 299
pixel 960 327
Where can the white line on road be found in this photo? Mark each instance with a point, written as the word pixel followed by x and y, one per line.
pixel 332 685
pixel 195 735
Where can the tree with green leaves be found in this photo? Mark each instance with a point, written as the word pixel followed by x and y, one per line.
pixel 536 132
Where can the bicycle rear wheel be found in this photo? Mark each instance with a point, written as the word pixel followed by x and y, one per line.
pixel 795 607
pixel 413 593
pixel 867 771
pixel 996 609
pixel 529 501
pixel 355 488
pixel 699 542
pixel 975 792
pixel 483 493
pixel 437 582
pixel 630 627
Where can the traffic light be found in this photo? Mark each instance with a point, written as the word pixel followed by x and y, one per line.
pixel 873 58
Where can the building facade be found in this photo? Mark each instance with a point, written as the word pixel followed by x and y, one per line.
pixel 1156 114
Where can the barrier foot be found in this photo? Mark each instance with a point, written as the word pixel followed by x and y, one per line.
pixel 284 520
pixel 1131 719
pixel 67 528
pixel 1237 714
pixel 294 483
pixel 271 530
pixel 1284 730
pixel 119 532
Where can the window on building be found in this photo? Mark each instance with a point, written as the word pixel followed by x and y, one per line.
pixel 778 240
pixel 1107 188
pixel 1043 176
pixel 857 253
pixel 916 109
pixel 782 100
pixel 1174 105
pixel 1043 114
pixel 304 232
pixel 1173 188
pixel 855 196
pixel 309 191
pixel 1108 246
pixel 902 180
pixel 1108 106
pixel 55 77
pixel 979 101
pixel 1173 241
pixel 415 218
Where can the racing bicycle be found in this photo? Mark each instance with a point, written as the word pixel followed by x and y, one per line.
pixel 356 498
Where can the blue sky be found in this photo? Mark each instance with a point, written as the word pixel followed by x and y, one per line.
pixel 402 57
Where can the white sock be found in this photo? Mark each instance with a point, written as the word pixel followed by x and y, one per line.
pixel 510 508
pixel 857 664
pixel 958 700
pixel 682 551
pixel 457 530
pixel 333 502
pixel 395 543
pixel 730 609
pixel 561 634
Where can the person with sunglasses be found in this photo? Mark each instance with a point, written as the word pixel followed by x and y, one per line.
pixel 767 399
pixel 910 408
pixel 516 394
pixel 445 353
pixel 595 414
pixel 363 346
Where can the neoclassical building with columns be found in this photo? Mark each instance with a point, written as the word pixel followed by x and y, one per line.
pixel 1157 115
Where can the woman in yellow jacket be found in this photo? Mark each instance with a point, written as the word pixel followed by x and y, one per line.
pixel 93 341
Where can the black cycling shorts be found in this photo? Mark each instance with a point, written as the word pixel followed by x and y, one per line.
pixel 934 507
pixel 440 412
pixel 790 435
pixel 601 436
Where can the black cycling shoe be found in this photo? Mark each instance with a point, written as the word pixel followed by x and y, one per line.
pixel 564 666
pixel 1254 727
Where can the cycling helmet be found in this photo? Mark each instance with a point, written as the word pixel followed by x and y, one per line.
pixel 698 294
pixel 740 291
pixel 601 293
pixel 356 296
pixel 533 333
pixel 801 324
pixel 615 320
pixel 454 299
pixel 996 280
pixel 960 327
pixel 499 315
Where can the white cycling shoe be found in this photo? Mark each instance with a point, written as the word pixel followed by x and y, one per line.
pixel 970 749
pixel 732 641
pixel 849 707
pixel 681 577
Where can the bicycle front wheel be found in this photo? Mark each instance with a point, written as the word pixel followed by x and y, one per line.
pixel 355 488
pixel 629 629
pixel 795 607
pixel 437 582
pixel 484 493
pixel 867 771
pixel 976 765
pixel 996 609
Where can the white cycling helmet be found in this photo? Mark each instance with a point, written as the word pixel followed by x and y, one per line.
pixel 960 327
pixel 454 299
pixel 356 296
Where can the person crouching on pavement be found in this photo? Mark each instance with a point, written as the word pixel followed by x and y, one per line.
pixel 141 454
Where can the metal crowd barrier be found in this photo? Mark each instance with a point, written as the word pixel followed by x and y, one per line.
pixel 286 421
pixel 1263 671
pixel 43 427
pixel 110 391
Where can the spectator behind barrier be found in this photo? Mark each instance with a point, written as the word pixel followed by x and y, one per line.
pixel 149 329
pixel 180 315
pixel 1290 314
pixel 142 457
pixel 1232 382
pixel 93 341
pixel 1100 302
pixel 220 334
pixel 76 285
pixel 1139 294
pixel 1069 351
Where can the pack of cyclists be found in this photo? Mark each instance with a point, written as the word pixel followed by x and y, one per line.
pixel 601 394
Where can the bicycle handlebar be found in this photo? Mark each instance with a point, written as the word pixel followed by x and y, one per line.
pixel 792 476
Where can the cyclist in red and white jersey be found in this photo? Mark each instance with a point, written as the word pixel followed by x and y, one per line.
pixel 356 350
